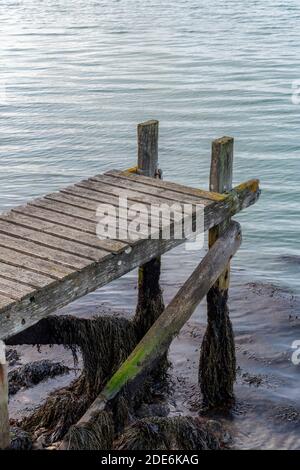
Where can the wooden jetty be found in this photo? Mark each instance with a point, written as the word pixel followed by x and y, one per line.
pixel 51 254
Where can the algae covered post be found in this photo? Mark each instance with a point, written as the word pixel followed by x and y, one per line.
pixel 150 300
pixel 217 360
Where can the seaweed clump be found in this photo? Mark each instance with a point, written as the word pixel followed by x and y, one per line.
pixel 175 433
pixel 97 435
pixel 19 439
pixel 104 342
pixel 33 373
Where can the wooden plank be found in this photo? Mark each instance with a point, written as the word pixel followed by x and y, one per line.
pixel 217 368
pixel 14 290
pixel 58 294
pixel 56 217
pixel 5 302
pixel 24 276
pixel 174 187
pixel 155 343
pixel 4 419
pixel 84 214
pixel 87 194
pixel 75 222
pixel 77 201
pixel 30 248
pixel 8 226
pixel 68 233
pixel 91 205
pixel 64 208
pixel 38 265
pixel 141 189
pixel 138 197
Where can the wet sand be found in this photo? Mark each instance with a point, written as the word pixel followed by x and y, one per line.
pixel 265 319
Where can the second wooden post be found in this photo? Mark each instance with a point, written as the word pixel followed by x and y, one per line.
pixel 217 371
pixel 150 300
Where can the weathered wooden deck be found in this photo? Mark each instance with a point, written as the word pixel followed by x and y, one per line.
pixel 50 253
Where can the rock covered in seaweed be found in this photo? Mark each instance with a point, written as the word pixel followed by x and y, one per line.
pixel 33 373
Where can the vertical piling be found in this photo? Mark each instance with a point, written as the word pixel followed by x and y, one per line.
pixel 4 421
pixel 217 370
pixel 150 300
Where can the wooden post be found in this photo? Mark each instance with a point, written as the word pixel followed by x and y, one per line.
pixel 217 371
pixel 150 300
pixel 4 421
pixel 147 136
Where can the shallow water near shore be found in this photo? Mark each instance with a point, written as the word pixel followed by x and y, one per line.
pixel 77 77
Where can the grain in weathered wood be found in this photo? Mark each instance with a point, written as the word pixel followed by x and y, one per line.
pixel 13 289
pixel 132 194
pixel 92 205
pixel 45 240
pixel 157 340
pixel 63 207
pixel 67 233
pixel 147 142
pixel 87 194
pixel 174 187
pixel 59 216
pixel 88 215
pixel 4 420
pixel 5 301
pixel 30 248
pixel 76 201
pixel 23 275
pixel 163 194
pixel 49 268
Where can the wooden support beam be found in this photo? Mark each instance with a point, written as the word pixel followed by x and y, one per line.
pixel 150 302
pixel 217 369
pixel 4 421
pixel 157 340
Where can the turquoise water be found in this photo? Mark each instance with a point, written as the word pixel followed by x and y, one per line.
pixel 77 76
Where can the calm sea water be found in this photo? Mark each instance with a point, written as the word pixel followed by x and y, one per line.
pixel 77 76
